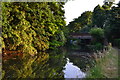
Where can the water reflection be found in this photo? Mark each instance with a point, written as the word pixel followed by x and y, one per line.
pixel 60 63
pixel 72 71
pixel 40 66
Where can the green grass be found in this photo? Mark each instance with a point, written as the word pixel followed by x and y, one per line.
pixel 96 72
pixel 106 67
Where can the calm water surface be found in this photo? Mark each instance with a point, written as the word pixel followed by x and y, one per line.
pixel 62 63
pixel 72 71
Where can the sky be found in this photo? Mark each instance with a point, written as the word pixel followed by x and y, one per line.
pixel 74 8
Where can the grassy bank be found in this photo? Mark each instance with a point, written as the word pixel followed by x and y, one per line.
pixel 106 67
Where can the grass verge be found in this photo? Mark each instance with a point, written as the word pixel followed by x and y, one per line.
pixel 106 67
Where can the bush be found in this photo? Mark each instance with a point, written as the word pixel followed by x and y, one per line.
pixel 97 33
pixel 97 46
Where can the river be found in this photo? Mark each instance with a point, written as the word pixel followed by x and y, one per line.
pixel 61 63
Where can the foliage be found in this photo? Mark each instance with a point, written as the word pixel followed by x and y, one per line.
pixel 86 29
pixel 100 14
pixel 98 18
pixel 100 70
pixel 55 44
pixel 80 22
pixel 112 28
pixel 108 18
pixel 96 72
pixel 30 27
pixel 97 46
pixel 97 33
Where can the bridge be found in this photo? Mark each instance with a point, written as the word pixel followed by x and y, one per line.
pixel 80 36
pixel 84 38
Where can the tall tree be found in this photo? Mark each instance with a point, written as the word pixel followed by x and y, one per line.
pixel 29 26
pixel 100 14
pixel 81 21
pixel 113 24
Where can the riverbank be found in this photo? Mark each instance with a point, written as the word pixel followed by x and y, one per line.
pixel 106 67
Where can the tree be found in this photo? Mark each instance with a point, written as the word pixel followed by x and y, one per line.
pixel 112 29
pixel 100 14
pixel 30 27
pixel 98 34
pixel 80 22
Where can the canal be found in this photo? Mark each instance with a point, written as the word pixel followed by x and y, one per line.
pixel 60 63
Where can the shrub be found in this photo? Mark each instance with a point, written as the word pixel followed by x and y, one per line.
pixel 97 33
pixel 97 46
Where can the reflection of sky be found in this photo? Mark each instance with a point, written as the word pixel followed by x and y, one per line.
pixel 72 71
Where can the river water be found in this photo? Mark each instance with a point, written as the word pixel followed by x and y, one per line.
pixel 72 71
pixel 62 63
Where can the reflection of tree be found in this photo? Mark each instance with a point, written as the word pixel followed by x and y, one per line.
pixel 40 66
pixel 52 68
pixel 83 61
pixel 21 68
pixel 56 63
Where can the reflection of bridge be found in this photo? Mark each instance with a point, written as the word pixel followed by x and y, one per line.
pixel 81 36
pixel 11 54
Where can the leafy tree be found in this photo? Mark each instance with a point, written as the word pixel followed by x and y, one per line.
pixel 97 34
pixel 100 14
pixel 98 39
pixel 112 29
pixel 30 27
pixel 80 22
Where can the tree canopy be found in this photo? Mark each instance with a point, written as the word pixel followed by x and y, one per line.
pixel 31 27
pixel 112 28
pixel 80 22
